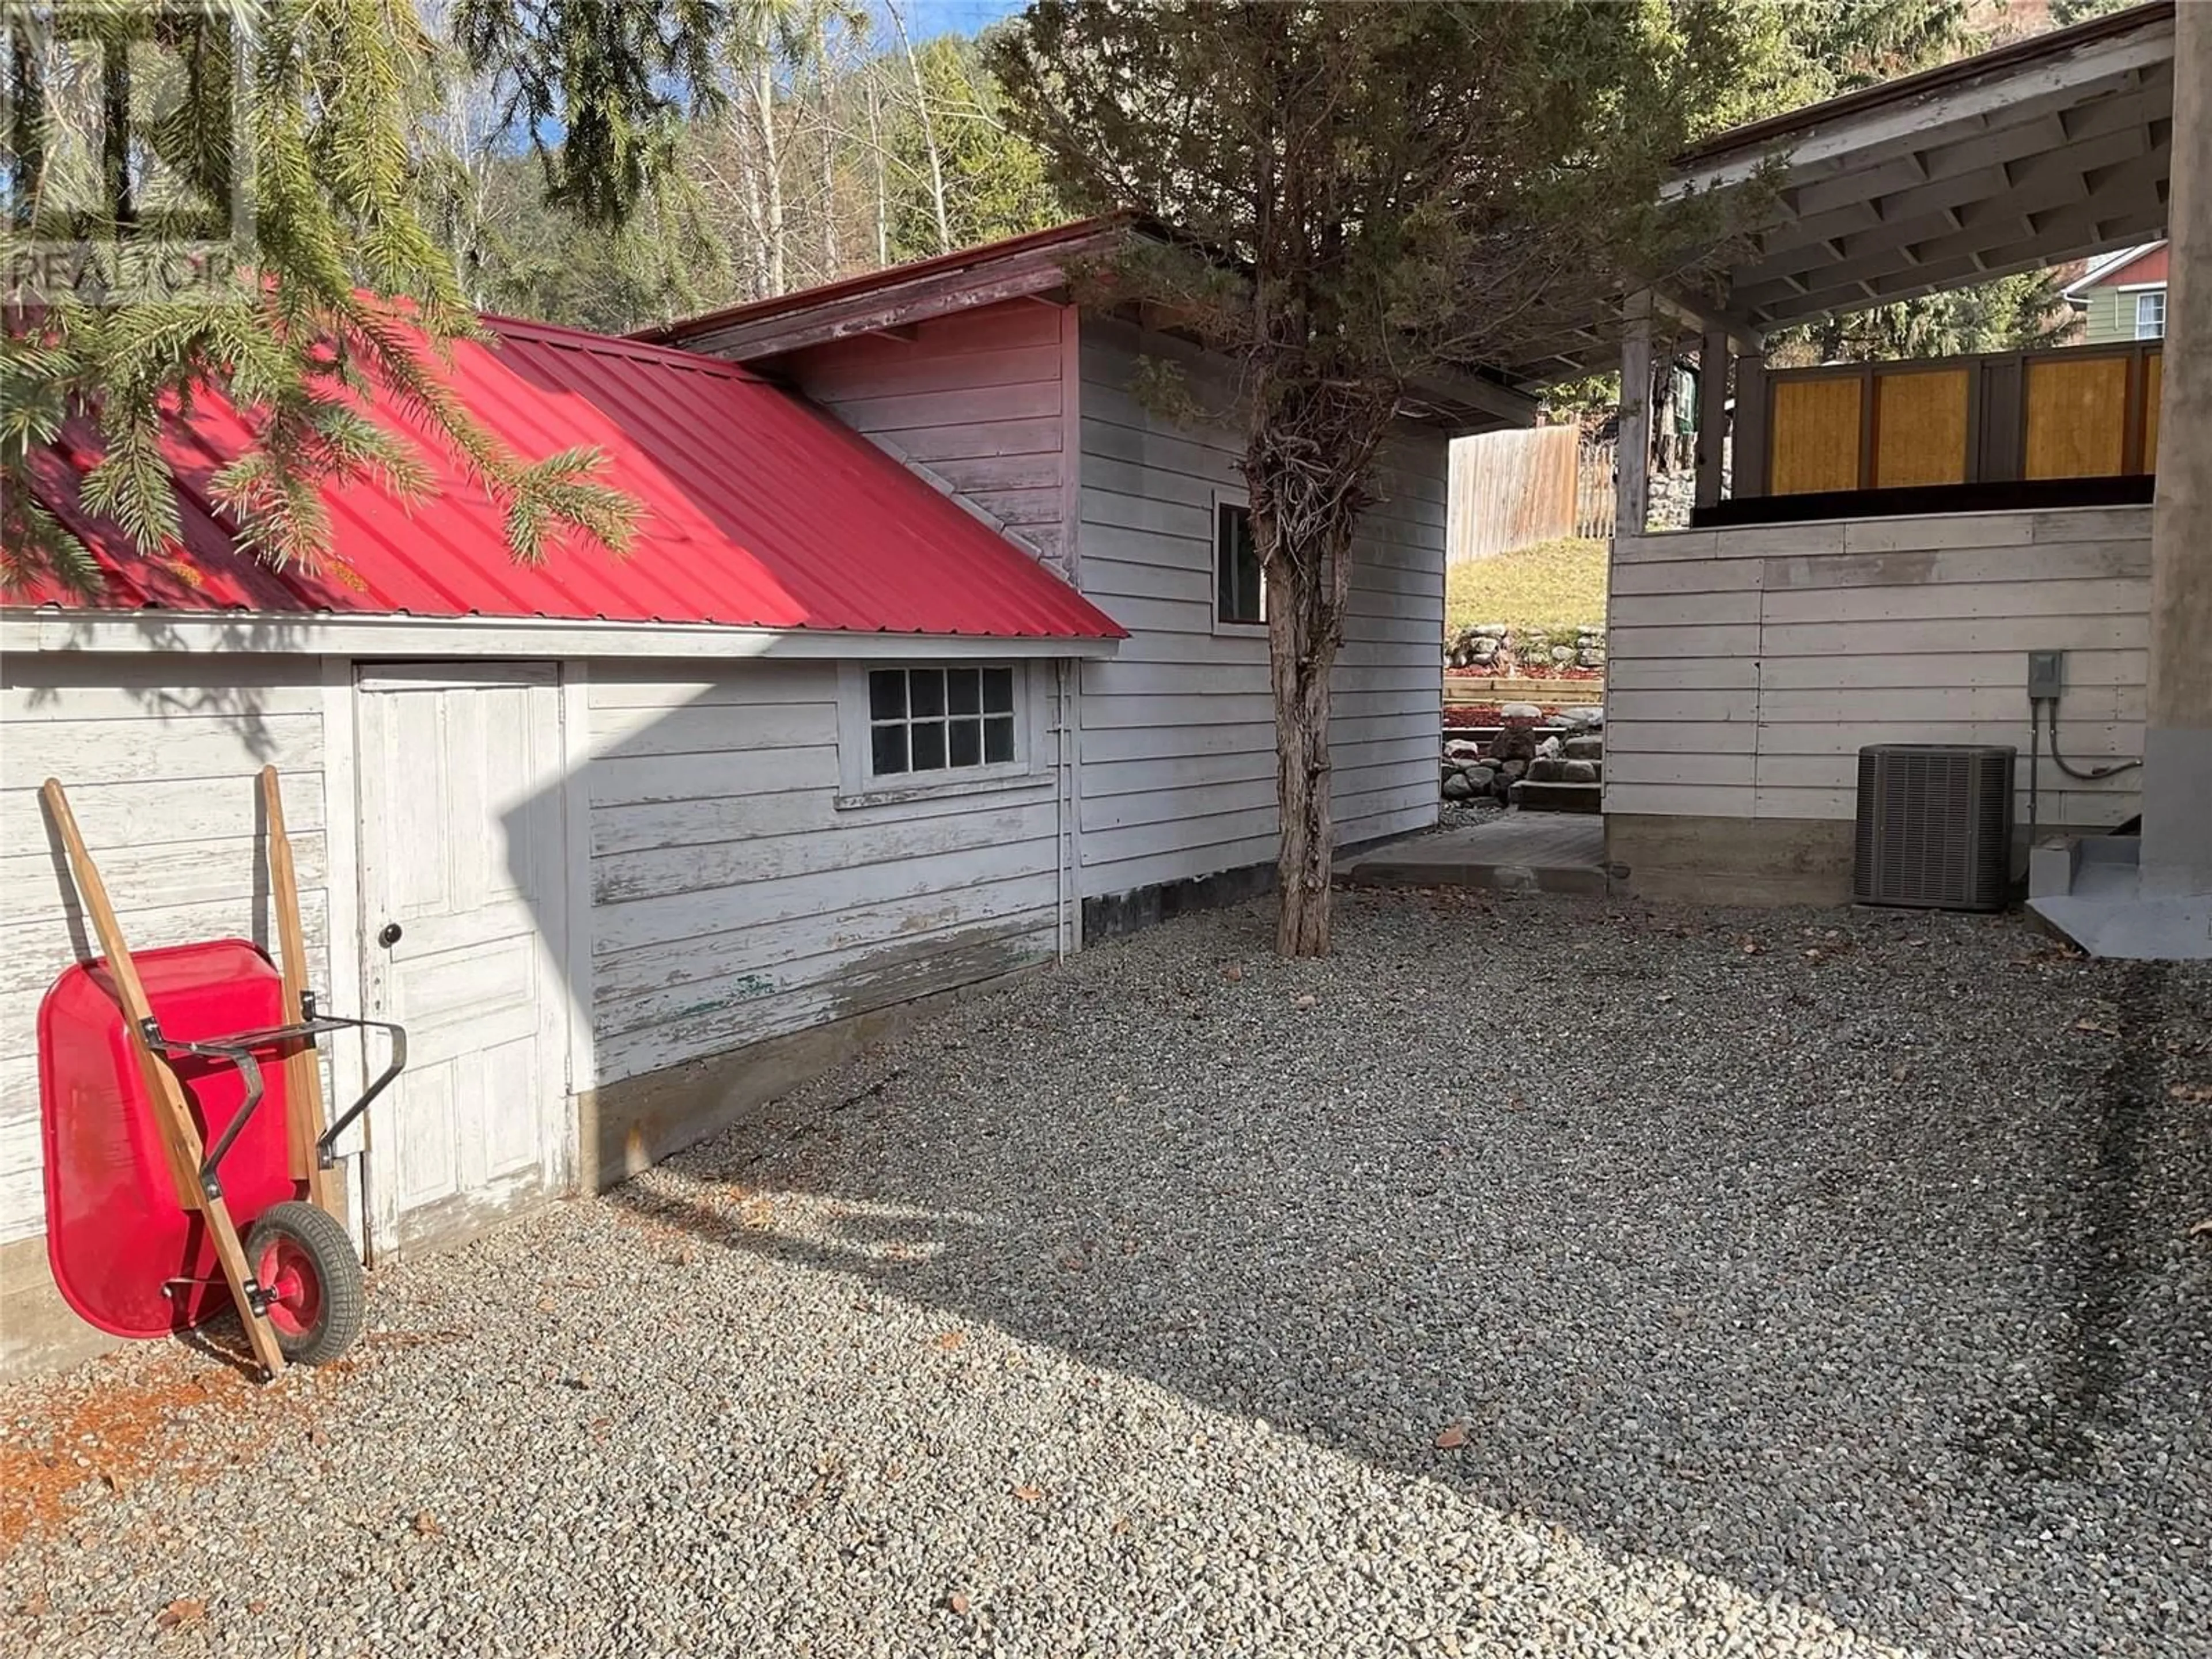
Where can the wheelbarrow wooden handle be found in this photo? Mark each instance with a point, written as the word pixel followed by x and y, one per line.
pixel 303 1075
pixel 180 1136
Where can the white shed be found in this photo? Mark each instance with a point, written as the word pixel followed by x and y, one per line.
pixel 632 846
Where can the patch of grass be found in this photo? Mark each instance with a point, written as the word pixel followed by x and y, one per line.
pixel 1549 585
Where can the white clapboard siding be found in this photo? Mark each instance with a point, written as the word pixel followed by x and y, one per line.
pixel 733 900
pixel 160 756
pixel 974 401
pixel 1791 646
pixel 1178 730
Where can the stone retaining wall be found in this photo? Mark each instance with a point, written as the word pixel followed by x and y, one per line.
pixel 1495 648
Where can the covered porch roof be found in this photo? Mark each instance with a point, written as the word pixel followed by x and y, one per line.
pixel 2053 148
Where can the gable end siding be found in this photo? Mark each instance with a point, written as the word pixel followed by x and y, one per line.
pixel 972 402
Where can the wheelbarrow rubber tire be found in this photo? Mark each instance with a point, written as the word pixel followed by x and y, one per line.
pixel 306 1262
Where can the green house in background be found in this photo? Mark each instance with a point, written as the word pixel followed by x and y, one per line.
pixel 2122 296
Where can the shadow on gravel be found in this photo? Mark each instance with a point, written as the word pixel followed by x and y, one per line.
pixel 1855 1272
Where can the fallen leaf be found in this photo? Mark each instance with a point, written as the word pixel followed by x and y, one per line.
pixel 37 1605
pixel 1028 1494
pixel 1233 972
pixel 1900 1072
pixel 1121 1525
pixel 119 1485
pixel 318 1437
pixel 2191 1093
pixel 2202 1229
pixel 547 1305
pixel 1666 996
pixel 1308 1000
pixel 951 1340
pixel 182 1611
pixel 1750 947
pixel 425 1523
pixel 257 1607
pixel 958 1603
pixel 1453 1438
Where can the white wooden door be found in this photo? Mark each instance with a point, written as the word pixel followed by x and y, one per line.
pixel 464 924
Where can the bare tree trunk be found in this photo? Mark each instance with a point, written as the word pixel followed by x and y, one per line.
pixel 1302 646
pixel 772 237
pixel 1308 461
pixel 828 140
pixel 882 178
pixel 928 131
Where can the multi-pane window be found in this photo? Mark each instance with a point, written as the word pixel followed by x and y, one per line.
pixel 1238 591
pixel 2150 315
pixel 939 719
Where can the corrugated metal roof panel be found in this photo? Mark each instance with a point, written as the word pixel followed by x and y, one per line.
pixel 758 510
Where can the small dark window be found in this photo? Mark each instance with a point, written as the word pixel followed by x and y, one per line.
pixel 939 719
pixel 1237 588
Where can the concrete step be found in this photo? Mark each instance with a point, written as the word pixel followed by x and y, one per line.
pixel 1531 797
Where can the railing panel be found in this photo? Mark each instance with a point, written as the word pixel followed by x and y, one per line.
pixel 1816 434
pixel 2077 417
pixel 1920 429
pixel 2076 412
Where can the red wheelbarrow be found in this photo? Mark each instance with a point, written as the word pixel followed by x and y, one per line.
pixel 157 1077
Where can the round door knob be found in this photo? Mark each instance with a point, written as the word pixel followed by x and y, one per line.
pixel 388 935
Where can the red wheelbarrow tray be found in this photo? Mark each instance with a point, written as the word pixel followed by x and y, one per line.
pixel 126 1255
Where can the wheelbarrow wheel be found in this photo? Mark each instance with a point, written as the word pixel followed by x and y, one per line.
pixel 306 1262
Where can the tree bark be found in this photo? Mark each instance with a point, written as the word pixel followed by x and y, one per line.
pixel 1309 455
pixel 928 131
pixel 1302 646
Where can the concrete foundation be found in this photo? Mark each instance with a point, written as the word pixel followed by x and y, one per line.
pixel 627 1127
pixel 1728 860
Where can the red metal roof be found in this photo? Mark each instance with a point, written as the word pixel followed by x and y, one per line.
pixel 759 511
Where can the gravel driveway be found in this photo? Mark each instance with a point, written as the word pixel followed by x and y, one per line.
pixel 1535 1278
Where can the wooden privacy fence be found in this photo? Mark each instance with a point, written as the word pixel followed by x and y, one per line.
pixel 1511 489
pixel 1594 497
pixel 2077 412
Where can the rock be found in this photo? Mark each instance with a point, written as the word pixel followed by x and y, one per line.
pixel 1548 749
pixel 1456 787
pixel 1513 769
pixel 1520 711
pixel 1545 770
pixel 1514 743
pixel 1582 749
pixel 1577 771
pixel 1478 779
pixel 1563 653
pixel 1463 749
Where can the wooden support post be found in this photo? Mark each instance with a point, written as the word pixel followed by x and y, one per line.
pixel 1633 460
pixel 1751 437
pixel 1713 357
pixel 180 1135
pixel 2177 791
pixel 303 1074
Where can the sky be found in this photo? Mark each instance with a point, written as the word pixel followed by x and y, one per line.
pixel 929 17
